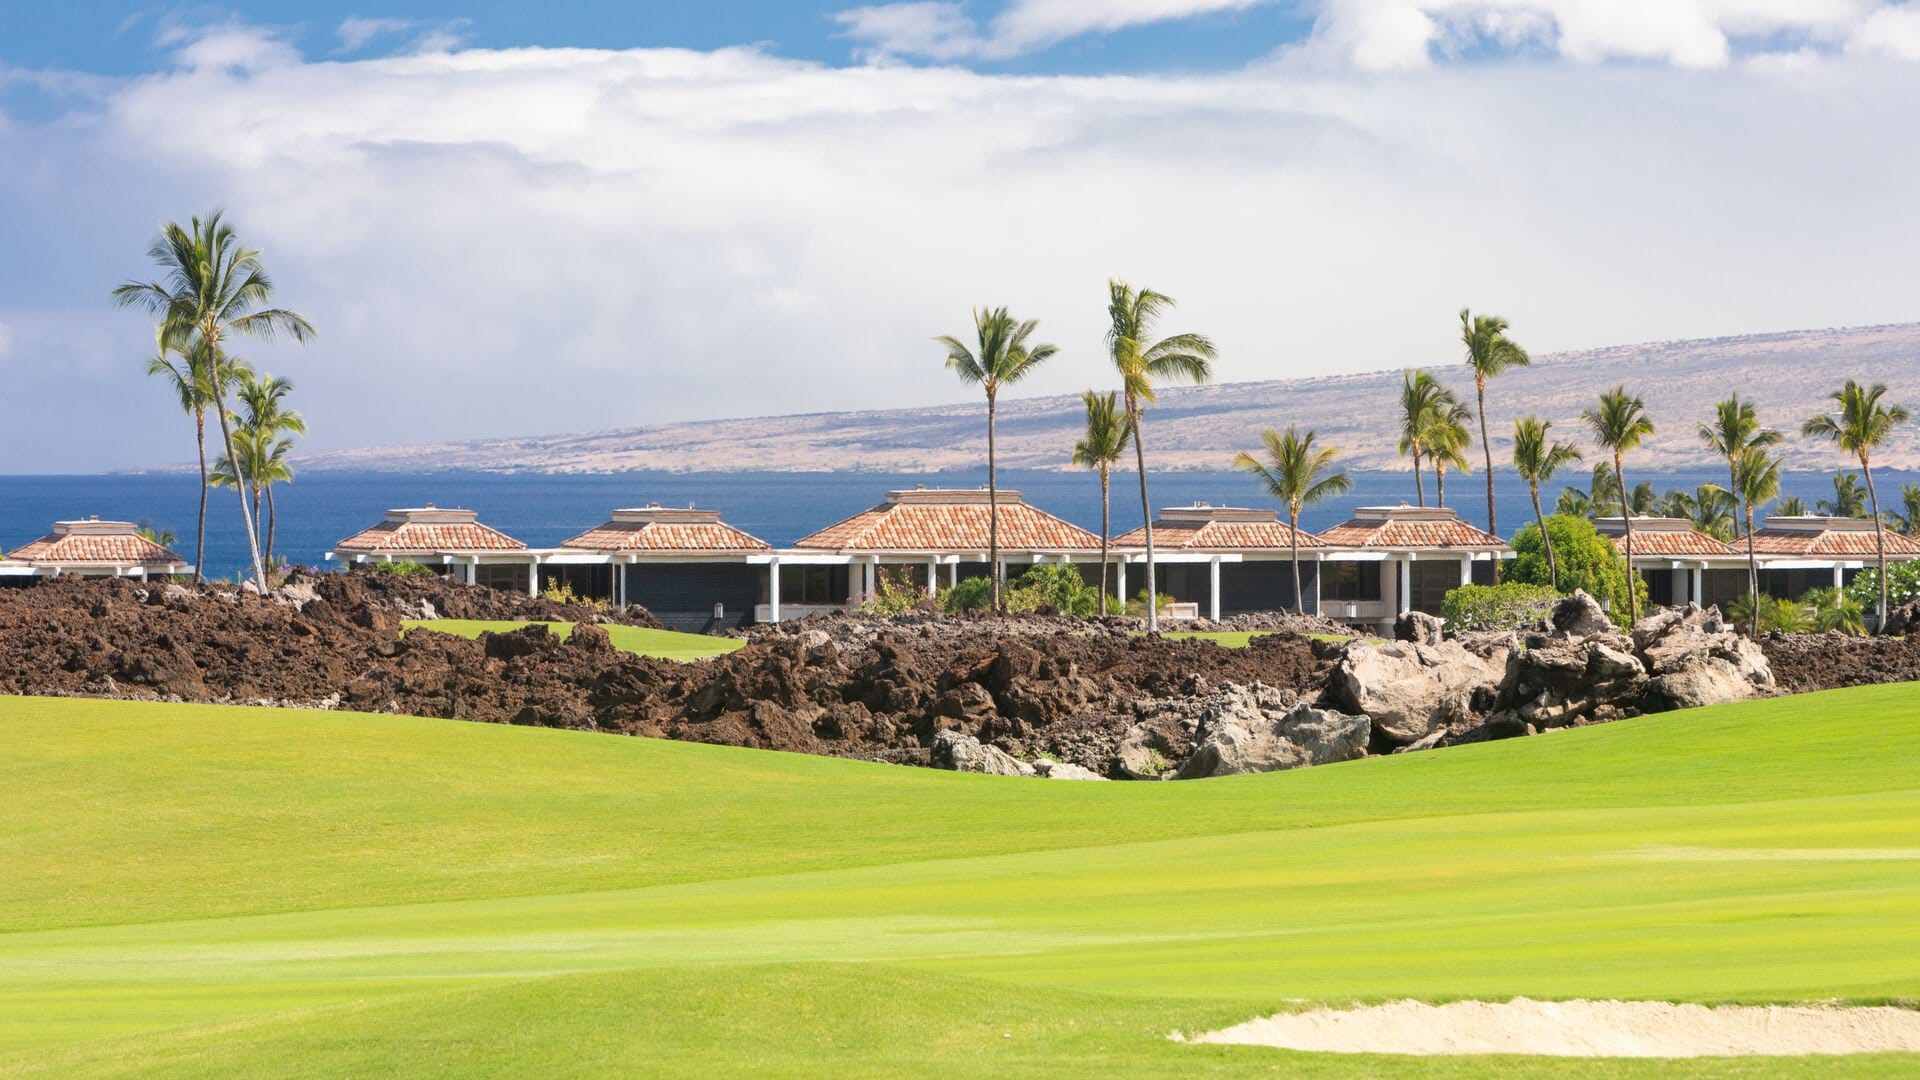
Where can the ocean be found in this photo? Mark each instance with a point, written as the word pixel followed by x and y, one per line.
pixel 319 509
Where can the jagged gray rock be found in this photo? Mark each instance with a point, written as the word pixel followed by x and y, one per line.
pixel 1419 628
pixel 1410 690
pixel 964 753
pixel 1580 616
pixel 1259 742
pixel 1064 770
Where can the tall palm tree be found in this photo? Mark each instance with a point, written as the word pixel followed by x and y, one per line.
pixel 1709 507
pixel 1536 458
pixel 1447 442
pixel 1619 421
pixel 1734 428
pixel 1849 498
pixel 1101 448
pixel 214 288
pixel 1756 478
pixel 1000 357
pixel 1791 506
pixel 1298 475
pixel 1132 314
pixel 1861 423
pixel 191 380
pixel 262 444
pixel 1574 503
pixel 1421 398
pixel 1489 352
pixel 1906 520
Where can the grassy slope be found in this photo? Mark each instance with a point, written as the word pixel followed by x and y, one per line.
pixel 199 889
pixel 668 644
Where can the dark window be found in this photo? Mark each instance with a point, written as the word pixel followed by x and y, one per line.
pixel 1432 581
pixel 813 584
pixel 1350 581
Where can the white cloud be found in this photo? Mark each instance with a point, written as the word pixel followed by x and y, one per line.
pixel 357 32
pixel 1892 31
pixel 941 29
pixel 935 29
pixel 539 240
pixel 233 47
pixel 6 342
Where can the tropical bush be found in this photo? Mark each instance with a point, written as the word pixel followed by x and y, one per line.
pixel 1507 606
pixel 896 593
pixel 1053 587
pixel 561 592
pixel 973 594
pixel 1137 607
pixel 1903 585
pixel 1771 613
pixel 1833 609
pixel 403 568
pixel 1587 561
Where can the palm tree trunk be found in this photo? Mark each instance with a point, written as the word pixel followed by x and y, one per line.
pixel 1440 485
pixel 1486 451
pixel 200 530
pixel 1146 509
pixel 993 510
pixel 1419 482
pixel 1106 528
pixel 226 436
pixel 273 520
pixel 1540 518
pixel 1293 543
pixel 1626 520
pixel 258 524
pixel 1879 541
pixel 1753 577
pixel 1733 488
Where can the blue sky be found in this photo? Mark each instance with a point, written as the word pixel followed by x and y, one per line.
pixel 605 215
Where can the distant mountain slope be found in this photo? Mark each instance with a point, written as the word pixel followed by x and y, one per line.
pixel 1787 374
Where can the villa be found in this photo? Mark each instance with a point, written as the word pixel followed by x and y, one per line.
pixel 692 570
pixel 94 548
pixel 1679 563
pixel 1389 560
pixel 1224 560
pixel 1812 552
pixel 447 541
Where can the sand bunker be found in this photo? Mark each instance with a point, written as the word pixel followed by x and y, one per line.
pixel 1584 1029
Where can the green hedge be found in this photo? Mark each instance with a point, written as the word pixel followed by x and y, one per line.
pixel 1508 606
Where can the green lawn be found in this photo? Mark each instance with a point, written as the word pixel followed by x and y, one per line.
pixel 199 890
pixel 667 644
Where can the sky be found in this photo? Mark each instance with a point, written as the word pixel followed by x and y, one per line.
pixel 505 220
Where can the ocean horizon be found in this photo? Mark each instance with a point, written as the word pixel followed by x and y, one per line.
pixel 319 509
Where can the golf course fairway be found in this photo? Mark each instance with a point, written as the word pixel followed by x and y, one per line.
pixel 197 890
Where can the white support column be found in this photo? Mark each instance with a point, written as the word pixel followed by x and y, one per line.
pixel 1213 590
pixel 869 573
pixel 1120 579
pixel 1403 603
pixel 933 576
pixel 1466 569
pixel 533 576
pixel 473 571
pixel 1682 581
pixel 1695 592
pixel 773 589
pixel 1318 566
pixel 617 585
pixel 953 573
pixel 1839 580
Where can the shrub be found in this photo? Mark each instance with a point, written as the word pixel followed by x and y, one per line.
pixel 1903 585
pixel 1137 607
pixel 403 568
pixel 1507 606
pixel 973 594
pixel 897 594
pixel 561 592
pixel 1587 561
pixel 1053 587
pixel 1833 609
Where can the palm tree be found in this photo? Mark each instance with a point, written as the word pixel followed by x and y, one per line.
pixel 1849 498
pixel 1536 458
pixel 1791 506
pixel 262 447
pixel 1296 474
pixel 163 537
pixel 1447 442
pixel 1756 478
pixel 1619 421
pixel 1421 398
pixel 1709 507
pixel 1834 610
pixel 1132 314
pixel 1101 448
pixel 1000 358
pixel 1574 503
pixel 1489 352
pixel 214 288
pixel 1860 424
pixel 191 380
pixel 1907 519
pixel 1735 427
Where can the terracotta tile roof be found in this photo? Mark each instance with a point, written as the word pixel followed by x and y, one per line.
pixel 657 529
pixel 1829 538
pixel 1674 537
pixel 97 543
pixel 1202 528
pixel 429 531
pixel 1407 528
pixel 950 521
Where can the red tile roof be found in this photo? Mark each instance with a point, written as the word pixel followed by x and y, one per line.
pixel 1218 528
pixel 949 520
pixel 1675 537
pixel 95 543
pixel 670 530
pixel 428 531
pixel 1829 538
pixel 1402 528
